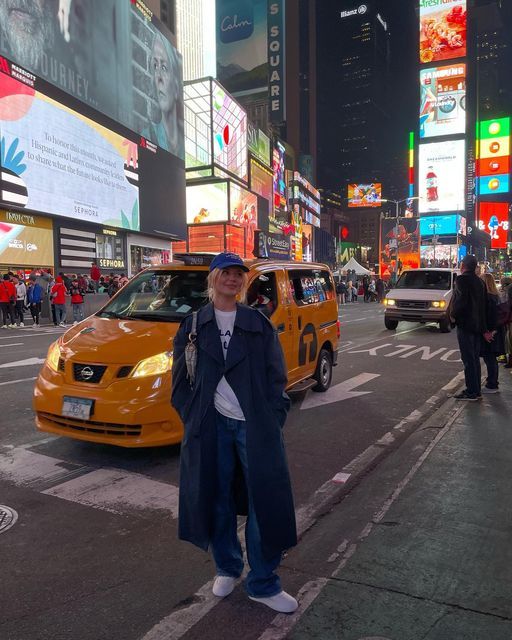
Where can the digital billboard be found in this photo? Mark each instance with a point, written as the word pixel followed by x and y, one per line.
pixel 442 176
pixel 207 203
pixel 261 183
pixel 57 161
pixel 25 240
pixel 365 195
pixel 115 57
pixel 229 133
pixel 443 30
pixel 443 101
pixel 242 63
pixel 494 219
pixel 243 210
pixel 259 144
pixel 440 225
pixel 400 247
pixel 493 156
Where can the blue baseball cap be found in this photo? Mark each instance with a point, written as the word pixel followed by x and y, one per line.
pixel 226 259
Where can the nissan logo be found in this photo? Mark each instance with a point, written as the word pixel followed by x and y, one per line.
pixel 362 9
pixel 86 373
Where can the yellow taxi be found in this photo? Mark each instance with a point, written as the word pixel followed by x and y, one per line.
pixel 108 379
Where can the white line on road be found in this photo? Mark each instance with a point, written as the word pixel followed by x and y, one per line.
pixel 15 381
pixel 22 363
pixel 28 334
pixel 13 344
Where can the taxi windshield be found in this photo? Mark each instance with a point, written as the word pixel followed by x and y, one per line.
pixel 159 296
pixel 425 280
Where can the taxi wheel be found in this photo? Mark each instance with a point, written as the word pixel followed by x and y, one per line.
pixel 390 324
pixel 323 373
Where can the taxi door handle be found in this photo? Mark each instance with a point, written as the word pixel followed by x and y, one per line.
pixel 280 328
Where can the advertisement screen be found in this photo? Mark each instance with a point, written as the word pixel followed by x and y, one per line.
pixel 242 63
pixel 400 247
pixel 244 210
pixel 261 183
pixel 27 244
pixel 57 161
pixel 441 176
pixel 364 195
pixel 440 255
pixel 442 30
pixel 207 203
pixel 279 177
pixel 229 133
pixel 443 101
pixel 494 220
pixel 109 55
pixel 439 225
pixel 489 185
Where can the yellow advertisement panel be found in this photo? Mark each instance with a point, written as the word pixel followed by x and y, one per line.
pixel 495 147
pixel 25 240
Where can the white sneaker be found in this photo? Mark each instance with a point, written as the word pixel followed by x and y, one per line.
pixel 12 326
pixel 22 324
pixel 282 602
pixel 223 586
pixel 4 326
pixel 489 390
pixel 75 322
pixel 61 324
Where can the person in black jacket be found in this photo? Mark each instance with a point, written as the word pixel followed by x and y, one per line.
pixel 493 341
pixel 468 310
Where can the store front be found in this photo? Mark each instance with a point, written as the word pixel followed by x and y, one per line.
pixel 80 245
pixel 26 242
pixel 145 251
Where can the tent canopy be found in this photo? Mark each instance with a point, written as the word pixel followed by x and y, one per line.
pixel 354 265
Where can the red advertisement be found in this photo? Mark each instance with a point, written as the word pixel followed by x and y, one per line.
pixel 442 30
pixel 399 246
pixel 494 220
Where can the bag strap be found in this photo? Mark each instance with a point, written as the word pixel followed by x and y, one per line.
pixel 193 331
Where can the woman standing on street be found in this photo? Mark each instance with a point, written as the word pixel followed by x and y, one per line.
pixel 493 343
pixel 233 460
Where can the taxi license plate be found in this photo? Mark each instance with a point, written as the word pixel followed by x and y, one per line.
pixel 78 408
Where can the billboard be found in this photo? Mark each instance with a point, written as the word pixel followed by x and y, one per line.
pixel 365 195
pixel 276 60
pixel 115 57
pixel 243 210
pixel 57 161
pixel 493 218
pixel 229 133
pixel 261 183
pixel 493 156
pixel 399 246
pixel 443 34
pixel 25 240
pixel 241 28
pixel 207 203
pixel 440 225
pixel 443 101
pixel 442 176
pixel 259 144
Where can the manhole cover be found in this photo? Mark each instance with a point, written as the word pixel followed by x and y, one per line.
pixel 8 517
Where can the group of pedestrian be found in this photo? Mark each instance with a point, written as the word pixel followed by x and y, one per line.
pixel 17 296
pixel 483 319
pixel 371 289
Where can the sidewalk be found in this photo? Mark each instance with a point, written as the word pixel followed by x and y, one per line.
pixel 437 561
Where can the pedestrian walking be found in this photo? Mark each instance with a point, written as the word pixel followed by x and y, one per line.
pixel 468 310
pixel 77 301
pixel 380 289
pixel 58 293
pixel 21 296
pixel 341 291
pixel 95 275
pixel 7 302
pixel 233 406
pixel 493 340
pixel 34 299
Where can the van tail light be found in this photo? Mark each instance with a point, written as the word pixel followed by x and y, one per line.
pixel 338 331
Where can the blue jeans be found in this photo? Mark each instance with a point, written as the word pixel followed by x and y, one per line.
pixel 262 581
pixel 78 312
pixel 60 313
pixel 469 345
pixel 492 370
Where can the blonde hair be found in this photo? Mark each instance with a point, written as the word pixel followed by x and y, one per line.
pixel 490 285
pixel 213 279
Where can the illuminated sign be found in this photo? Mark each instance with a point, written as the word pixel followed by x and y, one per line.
pixel 259 144
pixel 493 218
pixel 443 101
pixel 365 195
pixel 207 203
pixel 229 133
pixel 440 225
pixel 442 30
pixel 276 60
pixel 442 176
pixel 25 240
pixel 411 164
pixel 361 10
pixel 243 206
pixel 493 156
pixel 111 263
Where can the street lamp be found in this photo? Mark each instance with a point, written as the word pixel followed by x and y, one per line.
pixel 397 204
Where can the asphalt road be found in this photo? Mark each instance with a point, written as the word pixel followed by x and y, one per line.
pixel 94 553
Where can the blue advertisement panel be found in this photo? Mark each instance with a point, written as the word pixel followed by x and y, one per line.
pixel 115 57
pixel 439 225
pixel 242 63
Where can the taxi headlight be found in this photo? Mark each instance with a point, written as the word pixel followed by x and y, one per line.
pixel 389 302
pixel 154 365
pixel 53 356
pixel 439 304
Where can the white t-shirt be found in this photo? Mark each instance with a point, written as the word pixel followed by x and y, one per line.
pixel 225 399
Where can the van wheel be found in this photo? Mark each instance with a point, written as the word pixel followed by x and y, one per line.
pixel 323 373
pixel 445 326
pixel 390 324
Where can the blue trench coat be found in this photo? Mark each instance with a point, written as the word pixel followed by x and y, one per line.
pixel 255 370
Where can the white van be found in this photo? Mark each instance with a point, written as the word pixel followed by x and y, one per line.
pixel 421 295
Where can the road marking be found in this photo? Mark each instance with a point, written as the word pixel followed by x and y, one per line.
pixel 13 344
pixel 426 352
pixel 372 351
pixel 15 381
pixel 355 320
pixel 339 392
pixel 119 492
pixel 407 350
pixel 28 334
pixel 22 363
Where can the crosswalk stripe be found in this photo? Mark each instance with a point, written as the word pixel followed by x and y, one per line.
pixel 113 490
